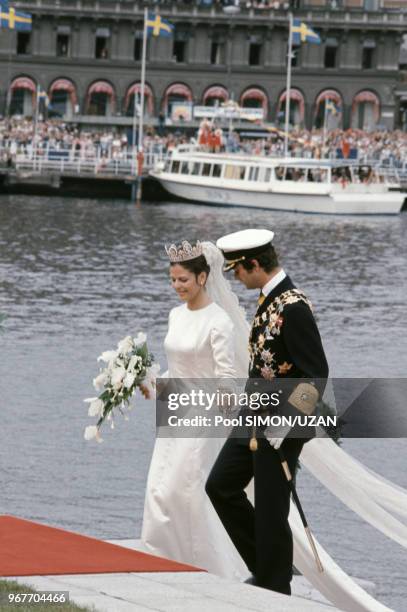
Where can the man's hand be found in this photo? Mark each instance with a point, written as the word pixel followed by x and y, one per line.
pixel 276 435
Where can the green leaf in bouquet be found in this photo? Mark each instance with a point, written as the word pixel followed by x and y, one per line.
pixel 142 351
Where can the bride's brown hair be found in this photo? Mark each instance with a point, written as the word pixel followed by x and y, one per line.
pixel 196 265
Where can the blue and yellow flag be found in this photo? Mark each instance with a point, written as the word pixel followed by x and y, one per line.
pixel 302 33
pixel 331 107
pixel 42 95
pixel 157 26
pixel 14 20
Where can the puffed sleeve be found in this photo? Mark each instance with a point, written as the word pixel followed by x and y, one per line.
pixel 222 343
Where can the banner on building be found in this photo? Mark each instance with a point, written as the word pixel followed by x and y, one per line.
pixel 225 112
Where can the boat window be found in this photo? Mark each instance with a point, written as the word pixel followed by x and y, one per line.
pixel 253 173
pixel 235 172
pixel 295 174
pixel 185 168
pixel 217 170
pixel 280 173
pixel 196 169
pixel 167 165
pixel 341 175
pixel 318 175
pixel 175 166
pixel 206 171
pixel 267 175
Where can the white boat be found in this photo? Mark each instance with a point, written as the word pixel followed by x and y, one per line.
pixel 340 187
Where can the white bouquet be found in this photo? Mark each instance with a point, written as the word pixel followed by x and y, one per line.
pixel 128 367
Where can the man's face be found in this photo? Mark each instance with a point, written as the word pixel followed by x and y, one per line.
pixel 249 278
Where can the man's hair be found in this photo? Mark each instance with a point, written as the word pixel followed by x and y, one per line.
pixel 267 260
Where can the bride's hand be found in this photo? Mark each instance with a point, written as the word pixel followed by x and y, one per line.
pixel 145 391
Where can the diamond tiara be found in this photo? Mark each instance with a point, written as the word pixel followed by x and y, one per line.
pixel 184 252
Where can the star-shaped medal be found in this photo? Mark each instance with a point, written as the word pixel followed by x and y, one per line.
pixel 284 367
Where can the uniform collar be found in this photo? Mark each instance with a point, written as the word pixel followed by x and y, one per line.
pixel 273 282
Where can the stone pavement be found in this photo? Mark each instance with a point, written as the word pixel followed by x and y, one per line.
pixel 175 592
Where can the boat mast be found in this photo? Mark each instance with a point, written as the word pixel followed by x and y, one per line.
pixel 288 85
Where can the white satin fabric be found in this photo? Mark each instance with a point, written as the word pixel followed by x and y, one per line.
pixel 179 521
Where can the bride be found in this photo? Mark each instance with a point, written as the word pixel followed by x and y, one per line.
pixel 207 338
pixel 179 521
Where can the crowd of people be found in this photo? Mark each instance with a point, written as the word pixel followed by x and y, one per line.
pixel 17 138
pixel 230 5
pixel 233 5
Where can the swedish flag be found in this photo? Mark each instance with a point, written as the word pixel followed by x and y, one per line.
pixel 14 20
pixel 331 107
pixel 302 33
pixel 157 26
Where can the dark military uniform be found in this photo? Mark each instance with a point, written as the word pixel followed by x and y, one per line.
pixel 284 344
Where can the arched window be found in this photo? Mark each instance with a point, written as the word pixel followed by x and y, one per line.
pixel 328 109
pixel 22 96
pixel 365 110
pixel 175 94
pixel 100 99
pixel 63 98
pixel 135 90
pixel 215 96
pixel 297 107
pixel 254 98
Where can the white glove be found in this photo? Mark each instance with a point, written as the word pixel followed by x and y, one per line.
pixel 276 435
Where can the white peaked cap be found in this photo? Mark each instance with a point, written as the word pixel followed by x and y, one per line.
pixel 244 244
pixel 245 239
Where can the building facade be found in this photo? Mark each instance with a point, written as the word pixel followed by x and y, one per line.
pixel 86 54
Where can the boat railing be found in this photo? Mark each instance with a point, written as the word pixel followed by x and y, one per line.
pixel 71 161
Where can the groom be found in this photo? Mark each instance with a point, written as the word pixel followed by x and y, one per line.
pixel 284 344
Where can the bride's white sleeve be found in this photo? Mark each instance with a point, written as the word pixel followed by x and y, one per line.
pixel 223 347
pixel 166 374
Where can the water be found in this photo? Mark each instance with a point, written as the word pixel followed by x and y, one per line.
pixel 77 275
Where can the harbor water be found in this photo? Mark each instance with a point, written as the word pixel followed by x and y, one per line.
pixel 77 275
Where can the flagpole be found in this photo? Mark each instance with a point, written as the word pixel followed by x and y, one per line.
pixel 36 123
pixel 325 123
pixel 133 139
pixel 288 85
pixel 143 80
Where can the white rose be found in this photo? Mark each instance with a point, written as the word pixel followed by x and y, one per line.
pixel 96 408
pixel 108 356
pixel 125 345
pixel 129 380
pixel 117 376
pixel 91 432
pixel 140 339
pixel 134 362
pixel 100 381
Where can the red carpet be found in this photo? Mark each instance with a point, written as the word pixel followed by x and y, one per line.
pixel 31 549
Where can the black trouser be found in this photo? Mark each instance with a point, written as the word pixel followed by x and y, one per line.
pixel 262 536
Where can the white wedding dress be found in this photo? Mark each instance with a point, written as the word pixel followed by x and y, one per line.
pixel 179 521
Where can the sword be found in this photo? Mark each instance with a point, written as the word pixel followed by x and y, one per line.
pixel 289 477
